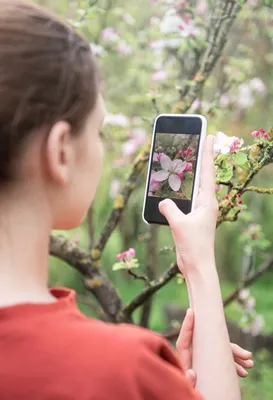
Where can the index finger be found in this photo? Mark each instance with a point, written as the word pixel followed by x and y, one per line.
pixel 207 174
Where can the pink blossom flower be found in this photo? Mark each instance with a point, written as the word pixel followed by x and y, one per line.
pixel 170 23
pixel 117 119
pixel 257 325
pixel 244 294
pixel 196 105
pixel 188 152
pixel 130 147
pixel 129 19
pixel 170 171
pixel 224 100
pixel 201 7
pixel 124 49
pixel 154 21
pixel 257 85
pixel 180 4
pixel 159 76
pixel 97 49
pixel 188 167
pixel 250 304
pixel 188 29
pixel 114 188
pixel 137 138
pixel 157 156
pixel 261 133
pixel 131 252
pixel 245 97
pixel 154 185
pixel 109 35
pixel 255 133
pixel 226 144
pixel 126 255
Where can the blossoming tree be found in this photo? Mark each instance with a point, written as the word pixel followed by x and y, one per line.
pixel 182 49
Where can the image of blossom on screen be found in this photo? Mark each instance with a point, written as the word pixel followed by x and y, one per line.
pixel 172 170
pixel 224 144
pixel 154 185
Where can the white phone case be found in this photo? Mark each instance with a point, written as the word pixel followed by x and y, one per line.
pixel 198 161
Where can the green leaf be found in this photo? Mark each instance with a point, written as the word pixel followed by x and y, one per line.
pixel 240 159
pixel 222 160
pixel 133 263
pixel 226 174
pixel 186 186
pixel 119 265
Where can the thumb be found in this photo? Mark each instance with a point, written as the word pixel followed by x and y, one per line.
pixel 171 212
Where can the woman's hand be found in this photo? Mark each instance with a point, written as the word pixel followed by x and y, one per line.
pixel 194 234
pixel 242 358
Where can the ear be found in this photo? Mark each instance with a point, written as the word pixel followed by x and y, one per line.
pixel 59 153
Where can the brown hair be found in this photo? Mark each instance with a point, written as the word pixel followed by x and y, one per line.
pixel 47 73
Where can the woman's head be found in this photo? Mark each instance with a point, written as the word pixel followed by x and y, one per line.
pixel 50 112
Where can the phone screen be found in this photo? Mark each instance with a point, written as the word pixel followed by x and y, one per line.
pixel 173 164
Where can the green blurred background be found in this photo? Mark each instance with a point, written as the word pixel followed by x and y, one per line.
pixel 130 84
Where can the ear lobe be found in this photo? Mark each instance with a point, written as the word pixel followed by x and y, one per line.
pixel 59 153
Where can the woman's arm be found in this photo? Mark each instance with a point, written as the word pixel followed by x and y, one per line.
pixel 194 236
pixel 212 356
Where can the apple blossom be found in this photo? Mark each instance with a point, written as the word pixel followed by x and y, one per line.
pixel 109 35
pixel 117 119
pixel 114 188
pixel 257 85
pixel 170 171
pixel 159 76
pixel 226 144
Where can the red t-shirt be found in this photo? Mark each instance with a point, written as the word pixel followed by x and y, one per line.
pixel 53 352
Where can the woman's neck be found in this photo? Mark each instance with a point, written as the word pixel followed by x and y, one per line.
pixel 24 240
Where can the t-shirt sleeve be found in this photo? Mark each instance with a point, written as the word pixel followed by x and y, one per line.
pixel 160 375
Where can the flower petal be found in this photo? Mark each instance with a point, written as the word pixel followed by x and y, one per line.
pixel 155 157
pixel 161 176
pixel 179 166
pixel 174 182
pixel 166 162
pixel 225 150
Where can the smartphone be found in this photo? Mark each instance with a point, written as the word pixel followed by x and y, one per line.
pixel 174 164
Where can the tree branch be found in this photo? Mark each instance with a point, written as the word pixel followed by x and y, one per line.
pixel 122 199
pixel 252 278
pixel 217 40
pixel 154 286
pixel 258 190
pixel 95 278
pixel 173 333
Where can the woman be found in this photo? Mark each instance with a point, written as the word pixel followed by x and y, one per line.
pixel 51 152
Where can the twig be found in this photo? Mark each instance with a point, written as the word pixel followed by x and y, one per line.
pixel 122 199
pixel 252 278
pixel 258 190
pixel 90 4
pixel 127 311
pixel 217 40
pixel 173 333
pixel 137 276
pixel 95 278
